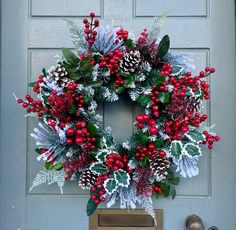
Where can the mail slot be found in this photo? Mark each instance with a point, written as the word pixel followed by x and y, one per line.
pixel 113 219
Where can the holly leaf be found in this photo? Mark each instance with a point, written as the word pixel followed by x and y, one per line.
pixel 176 149
pixel 192 150
pixel 143 99
pixel 144 162
pixel 195 136
pixel 70 57
pixel 44 72
pixel 143 137
pixel 163 46
pixel 91 207
pixel 122 178
pixel 159 143
pixel 92 129
pixel 172 192
pixel 48 166
pixel 73 109
pixel 174 181
pixel 165 189
pixel 128 42
pixel 176 70
pixel 120 89
pixel 101 156
pixel 159 80
pixel 32 84
pixel 110 185
pixel 85 66
pixel 98 168
pixel 164 97
pixel 38 150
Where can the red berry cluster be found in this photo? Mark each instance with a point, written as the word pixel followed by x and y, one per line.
pixel 89 29
pixel 98 190
pixel 122 34
pixel 115 161
pixel 142 152
pixel 111 62
pixel 36 88
pixel 210 139
pixel 157 189
pixel 80 136
pixel 166 69
pixel 31 105
pixel 144 119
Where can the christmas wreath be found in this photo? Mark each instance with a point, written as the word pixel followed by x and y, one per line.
pixel 71 139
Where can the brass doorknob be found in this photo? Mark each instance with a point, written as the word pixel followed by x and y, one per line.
pixel 194 222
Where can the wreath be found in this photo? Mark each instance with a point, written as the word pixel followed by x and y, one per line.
pixel 71 139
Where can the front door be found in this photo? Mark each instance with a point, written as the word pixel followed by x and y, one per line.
pixel 32 34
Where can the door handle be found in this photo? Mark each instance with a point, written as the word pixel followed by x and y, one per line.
pixel 194 222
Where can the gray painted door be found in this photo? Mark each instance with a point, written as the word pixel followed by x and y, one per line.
pixel 34 31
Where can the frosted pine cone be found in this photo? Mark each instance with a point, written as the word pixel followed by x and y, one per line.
pixel 58 75
pixel 130 62
pixel 159 166
pixel 87 179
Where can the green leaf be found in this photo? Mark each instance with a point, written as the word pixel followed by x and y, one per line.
pixel 163 46
pixel 176 149
pixel 95 84
pixel 165 189
pixel 48 166
pixel 195 136
pixel 85 66
pixel 124 74
pixel 143 137
pixel 159 143
pixel 159 80
pixel 73 109
pixel 174 181
pixel 120 89
pixel 164 97
pixel 92 129
pixel 32 84
pixel 143 99
pixel 144 162
pixel 70 57
pixel 192 149
pixel 58 166
pixel 91 207
pixel 98 168
pixel 38 150
pixel 110 185
pixel 122 178
pixel 176 70
pixel 128 42
pixel 44 72
pixel 172 192
pixel 73 74
pixel 101 156
pixel 129 80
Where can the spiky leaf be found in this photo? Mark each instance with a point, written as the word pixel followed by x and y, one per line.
pixel 101 156
pixel 122 178
pixel 143 99
pixel 163 46
pixel 110 185
pixel 195 136
pixel 91 207
pixel 176 70
pixel 164 97
pixel 176 149
pixel 192 149
pixel 98 168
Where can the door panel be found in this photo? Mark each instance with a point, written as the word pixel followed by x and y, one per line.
pixel 33 32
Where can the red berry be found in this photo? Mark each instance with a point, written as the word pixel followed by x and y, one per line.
pixel 103 199
pixel 85 21
pixel 92 15
pixel 70 132
pixel 139 118
pixel 162 153
pixel 212 70
pixel 69 141
pixel 153 130
pixel 19 101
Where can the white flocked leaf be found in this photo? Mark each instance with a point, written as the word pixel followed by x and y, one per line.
pixel 192 150
pixel 195 136
pixel 110 185
pixel 122 178
pixel 176 70
pixel 101 156
pixel 176 149
pixel 98 168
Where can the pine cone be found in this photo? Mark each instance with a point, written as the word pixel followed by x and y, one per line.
pixel 58 75
pixel 87 179
pixel 130 62
pixel 159 166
